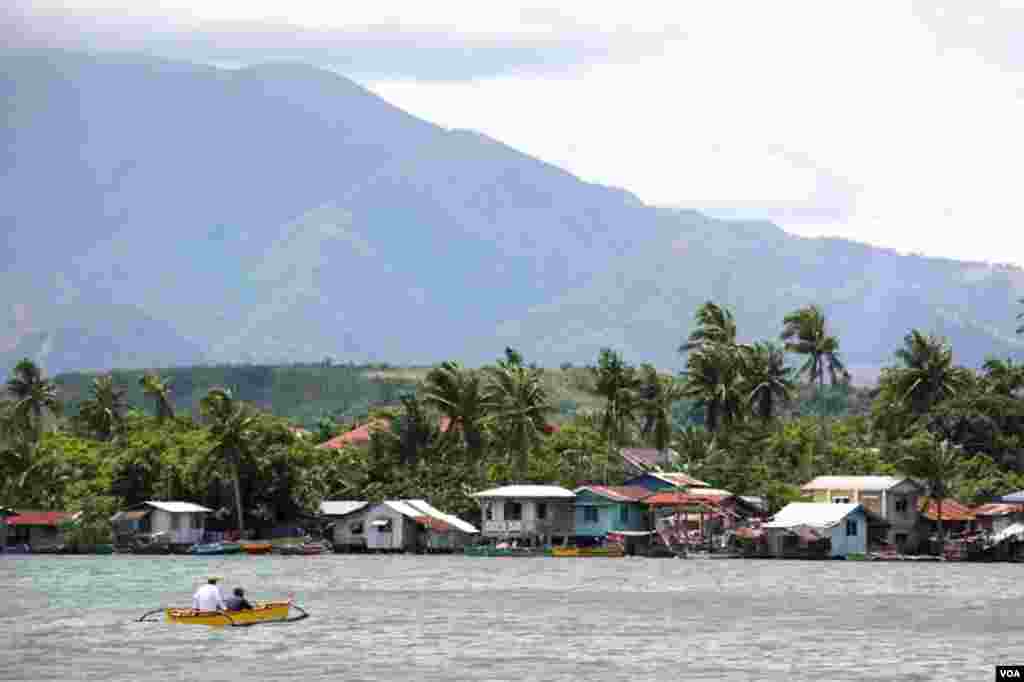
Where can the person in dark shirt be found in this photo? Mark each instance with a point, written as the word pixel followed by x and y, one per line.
pixel 238 602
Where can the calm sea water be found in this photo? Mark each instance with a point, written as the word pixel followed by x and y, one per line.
pixel 457 618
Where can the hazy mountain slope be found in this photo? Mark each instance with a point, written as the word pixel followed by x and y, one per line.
pixel 280 213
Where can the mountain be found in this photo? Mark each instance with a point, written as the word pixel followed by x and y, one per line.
pixel 161 213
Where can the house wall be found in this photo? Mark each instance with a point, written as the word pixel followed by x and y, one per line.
pixel 843 544
pixel 560 518
pixel 345 528
pixel 183 528
pixel 609 515
pixel 402 536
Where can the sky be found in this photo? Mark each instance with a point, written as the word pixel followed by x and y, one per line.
pixel 893 123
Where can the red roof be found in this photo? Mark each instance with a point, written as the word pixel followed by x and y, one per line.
pixel 995 509
pixel 38 518
pixel 620 493
pixel 670 499
pixel 951 510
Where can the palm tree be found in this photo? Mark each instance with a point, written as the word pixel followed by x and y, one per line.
pixel 713 378
pixel 231 426
pixel 935 463
pixel 159 389
pixel 1003 377
pixel 766 379
pixel 458 394
pixel 656 396
pixel 714 325
pixel 104 411
pixel 804 331
pixel 519 402
pixel 928 375
pixel 34 397
pixel 616 382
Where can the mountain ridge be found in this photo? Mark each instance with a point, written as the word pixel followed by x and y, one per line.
pixel 166 213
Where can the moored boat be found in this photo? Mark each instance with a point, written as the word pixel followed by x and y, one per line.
pixel 216 548
pixel 302 549
pixel 610 551
pixel 260 613
pixel 494 551
pixel 257 547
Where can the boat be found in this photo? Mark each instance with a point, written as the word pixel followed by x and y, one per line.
pixel 610 551
pixel 302 549
pixel 257 547
pixel 493 551
pixel 260 613
pixel 216 548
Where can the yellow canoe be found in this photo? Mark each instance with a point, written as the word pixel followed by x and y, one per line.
pixel 273 610
pixel 610 551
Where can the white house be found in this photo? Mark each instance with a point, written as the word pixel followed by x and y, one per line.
pixel 179 523
pixel 799 524
pixel 544 514
pixel 395 526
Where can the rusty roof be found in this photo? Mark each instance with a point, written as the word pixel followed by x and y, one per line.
pixel 39 518
pixel 951 510
pixel 672 499
pixel 997 509
pixel 618 493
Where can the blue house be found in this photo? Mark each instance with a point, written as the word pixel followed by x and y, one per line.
pixel 608 509
pixel 657 481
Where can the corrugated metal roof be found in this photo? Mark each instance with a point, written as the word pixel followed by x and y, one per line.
pixel 40 518
pixel 951 510
pixel 1014 530
pixel 341 507
pixel 678 478
pixel 868 483
pixel 450 519
pixel 811 514
pixel 618 493
pixel 998 509
pixel 1014 498
pixel 177 507
pixel 403 508
pixel 133 515
pixel 537 491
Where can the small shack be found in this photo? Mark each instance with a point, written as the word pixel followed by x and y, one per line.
pixel 818 530
pixel 37 531
pixel 531 515
pixel 394 526
pixel 169 524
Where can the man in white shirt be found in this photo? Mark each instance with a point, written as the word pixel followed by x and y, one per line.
pixel 208 597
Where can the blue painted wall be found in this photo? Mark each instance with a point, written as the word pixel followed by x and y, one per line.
pixel 611 515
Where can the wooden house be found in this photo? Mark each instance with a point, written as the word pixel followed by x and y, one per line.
pixel 618 510
pixel 37 531
pixel 175 525
pixel 957 519
pixel 816 529
pixel 394 526
pixel 536 515
pixel 894 499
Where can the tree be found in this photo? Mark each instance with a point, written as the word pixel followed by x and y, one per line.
pixel 715 325
pixel 103 413
pixel 713 379
pixel 519 404
pixel 937 463
pixel 1003 377
pixel 231 428
pixel 616 382
pixel 804 331
pixel 656 396
pixel 34 397
pixel 766 379
pixel 928 375
pixel 458 394
pixel 159 389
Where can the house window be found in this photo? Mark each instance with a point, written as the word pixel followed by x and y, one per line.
pixel 901 505
pixel 542 510
pixel 355 528
pixel 624 514
pixel 489 511
pixel 383 525
pixel 513 511
pixel 851 528
pixel 590 515
pixel 840 500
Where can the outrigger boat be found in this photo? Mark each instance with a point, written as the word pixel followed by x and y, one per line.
pixel 257 547
pixel 216 548
pixel 260 613
pixel 610 551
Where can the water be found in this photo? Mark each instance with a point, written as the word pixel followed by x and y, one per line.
pixel 456 618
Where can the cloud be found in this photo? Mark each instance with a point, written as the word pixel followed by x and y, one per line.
pixel 537 42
